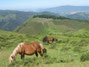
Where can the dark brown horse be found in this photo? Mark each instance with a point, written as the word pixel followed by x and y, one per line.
pixel 28 49
pixel 48 39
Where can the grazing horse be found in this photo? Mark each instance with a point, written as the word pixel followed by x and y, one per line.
pixel 48 39
pixel 27 49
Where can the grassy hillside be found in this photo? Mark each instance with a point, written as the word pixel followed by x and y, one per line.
pixel 10 19
pixel 49 25
pixel 79 15
pixel 70 51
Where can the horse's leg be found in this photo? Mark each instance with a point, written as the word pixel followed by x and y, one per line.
pixel 53 40
pixel 22 56
pixel 56 40
pixel 36 54
pixel 48 41
pixel 40 53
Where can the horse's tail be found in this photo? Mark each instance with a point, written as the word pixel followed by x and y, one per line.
pixel 43 48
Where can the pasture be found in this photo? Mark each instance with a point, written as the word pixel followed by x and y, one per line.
pixel 70 51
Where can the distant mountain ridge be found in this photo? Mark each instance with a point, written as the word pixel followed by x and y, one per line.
pixel 73 12
pixel 66 9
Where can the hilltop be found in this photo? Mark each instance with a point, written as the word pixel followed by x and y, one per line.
pixel 41 25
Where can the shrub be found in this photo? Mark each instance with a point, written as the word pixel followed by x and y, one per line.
pixel 84 57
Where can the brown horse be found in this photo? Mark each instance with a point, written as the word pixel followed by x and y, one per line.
pixel 48 39
pixel 27 49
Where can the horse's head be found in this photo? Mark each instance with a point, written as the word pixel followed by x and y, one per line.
pixel 11 58
pixel 44 50
pixel 45 39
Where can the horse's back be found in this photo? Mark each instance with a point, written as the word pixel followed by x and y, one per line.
pixel 31 48
pixel 51 38
pixel 31 45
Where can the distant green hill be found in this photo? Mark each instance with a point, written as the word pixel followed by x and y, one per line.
pixel 44 25
pixel 10 19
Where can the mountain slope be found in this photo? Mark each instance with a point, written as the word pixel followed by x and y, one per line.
pixel 79 15
pixel 44 25
pixel 9 19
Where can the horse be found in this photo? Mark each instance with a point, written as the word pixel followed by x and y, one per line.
pixel 48 39
pixel 27 49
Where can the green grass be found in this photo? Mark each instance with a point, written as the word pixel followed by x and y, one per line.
pixel 68 52
pixel 71 64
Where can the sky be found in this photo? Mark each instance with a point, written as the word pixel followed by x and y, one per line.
pixel 37 4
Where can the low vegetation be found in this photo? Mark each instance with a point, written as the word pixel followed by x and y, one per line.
pixel 71 50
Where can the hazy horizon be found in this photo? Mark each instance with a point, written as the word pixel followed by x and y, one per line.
pixel 39 4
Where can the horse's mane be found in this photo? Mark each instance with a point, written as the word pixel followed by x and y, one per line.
pixel 17 49
pixel 15 52
pixel 41 45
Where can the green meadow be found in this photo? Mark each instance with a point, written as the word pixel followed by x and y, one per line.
pixel 72 49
